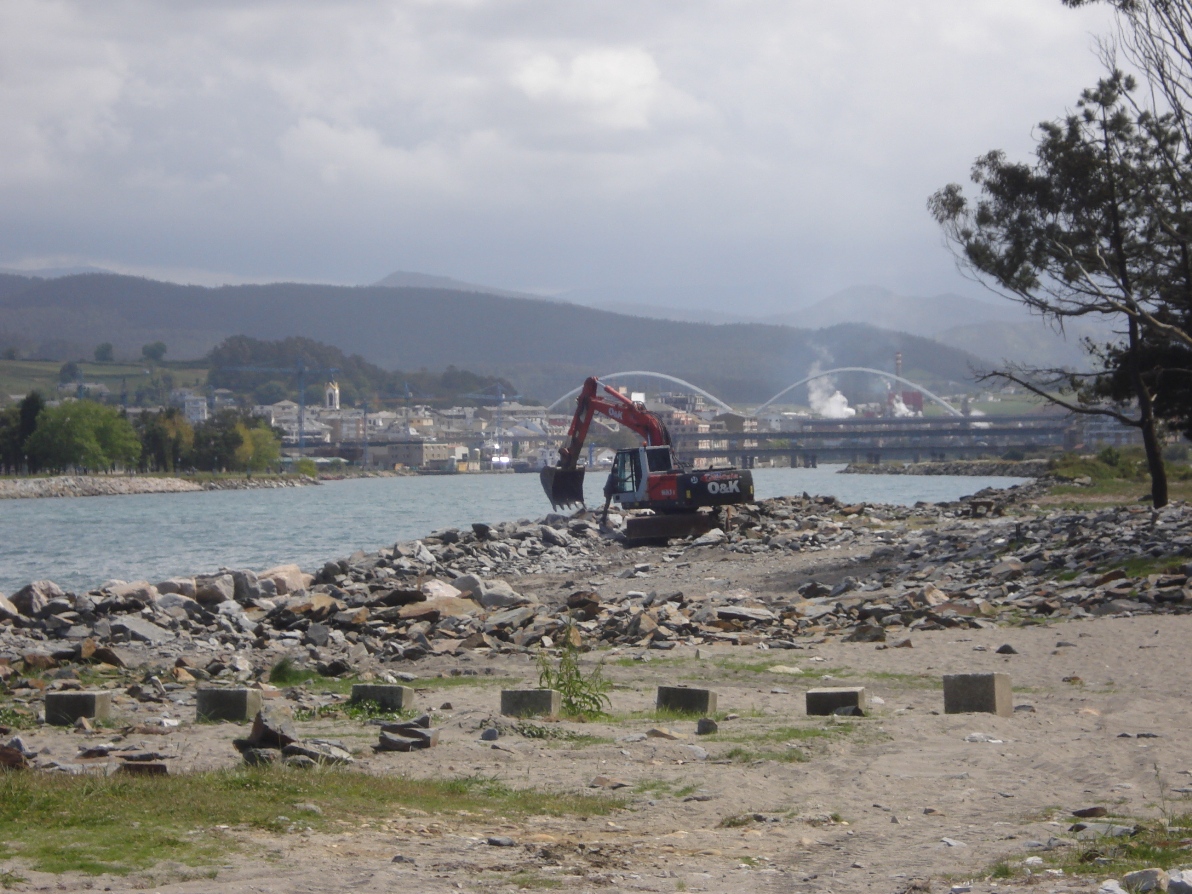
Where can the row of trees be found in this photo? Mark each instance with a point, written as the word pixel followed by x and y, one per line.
pixel 85 435
pixel 1100 225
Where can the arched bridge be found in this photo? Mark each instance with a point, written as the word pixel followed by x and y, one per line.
pixel 856 438
pixel 640 373
pixel 861 369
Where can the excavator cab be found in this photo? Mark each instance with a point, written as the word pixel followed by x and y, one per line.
pixel 626 474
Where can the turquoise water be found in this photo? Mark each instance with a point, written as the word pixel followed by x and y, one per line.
pixel 81 542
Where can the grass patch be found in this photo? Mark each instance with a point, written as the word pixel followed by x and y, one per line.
pixel 664 787
pixel 362 711
pixel 16 718
pixel 915 681
pixel 1001 871
pixel 556 733
pixel 464 680
pixel 123 824
pixel 525 879
pixel 8 879
pixel 782 734
pixel 665 715
pixel 741 755
pixel 1162 843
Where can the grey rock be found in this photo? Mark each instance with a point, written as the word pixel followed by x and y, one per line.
pixel 1179 881
pixel 212 590
pixel 715 537
pixel 319 751
pixel 1142 881
pixel 317 635
pixel 139 629
pixel 32 598
pixel 498 594
pixel 245 587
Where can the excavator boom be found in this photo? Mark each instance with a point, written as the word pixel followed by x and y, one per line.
pixel 564 483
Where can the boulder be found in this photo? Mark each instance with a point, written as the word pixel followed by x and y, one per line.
pixel 1145 880
pixel 468 584
pixel 136 628
pixel 183 586
pixel 712 538
pixel 32 598
pixel 287 579
pixel 213 590
pixel 245 587
pixel 435 589
pixel 498 594
pixel 273 727
pixel 8 611
pixel 176 600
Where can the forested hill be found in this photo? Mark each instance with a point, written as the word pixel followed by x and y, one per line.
pixel 543 347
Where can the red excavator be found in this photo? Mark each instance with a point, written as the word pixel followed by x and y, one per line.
pixel 645 477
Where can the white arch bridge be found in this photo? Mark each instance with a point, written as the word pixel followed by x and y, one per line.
pixel 647 374
pixel 859 438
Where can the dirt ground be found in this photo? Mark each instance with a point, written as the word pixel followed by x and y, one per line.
pixel 877 802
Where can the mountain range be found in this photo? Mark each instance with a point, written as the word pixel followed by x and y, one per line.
pixel 546 347
pixel 997 329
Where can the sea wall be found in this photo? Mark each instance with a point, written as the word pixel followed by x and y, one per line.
pixel 1033 468
pixel 116 485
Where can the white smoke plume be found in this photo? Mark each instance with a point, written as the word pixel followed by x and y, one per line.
pixel 899 409
pixel 825 400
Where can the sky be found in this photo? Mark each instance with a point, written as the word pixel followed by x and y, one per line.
pixel 749 155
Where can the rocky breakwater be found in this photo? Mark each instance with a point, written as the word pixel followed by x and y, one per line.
pixel 880 573
pixel 1033 468
pixel 118 485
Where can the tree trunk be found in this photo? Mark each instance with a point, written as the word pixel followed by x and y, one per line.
pixel 1147 425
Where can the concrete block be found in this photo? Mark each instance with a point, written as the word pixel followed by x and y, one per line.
pixel 531 702
pixel 64 708
pixel 237 705
pixel 686 701
pixel 389 697
pixel 827 701
pixel 978 694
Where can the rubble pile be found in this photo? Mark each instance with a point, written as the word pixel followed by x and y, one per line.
pixel 901 569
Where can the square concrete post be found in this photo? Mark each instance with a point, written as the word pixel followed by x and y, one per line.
pixel 64 708
pixel 978 694
pixel 531 702
pixel 686 701
pixel 388 697
pixel 237 705
pixel 829 700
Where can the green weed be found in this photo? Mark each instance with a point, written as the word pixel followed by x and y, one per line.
pixel 584 695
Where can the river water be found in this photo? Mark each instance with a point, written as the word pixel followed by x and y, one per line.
pixel 83 541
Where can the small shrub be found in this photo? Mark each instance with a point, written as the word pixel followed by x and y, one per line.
pixel 584 695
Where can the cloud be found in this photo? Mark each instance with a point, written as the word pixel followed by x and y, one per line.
pixel 618 87
pixel 759 153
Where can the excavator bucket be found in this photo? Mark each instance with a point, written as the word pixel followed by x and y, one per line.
pixel 564 487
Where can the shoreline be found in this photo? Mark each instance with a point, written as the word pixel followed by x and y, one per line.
pixel 127 485
pixel 1032 468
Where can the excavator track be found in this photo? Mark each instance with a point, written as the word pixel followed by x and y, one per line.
pixel 656 530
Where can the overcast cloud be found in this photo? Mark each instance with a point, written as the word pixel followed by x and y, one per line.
pixel 750 155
